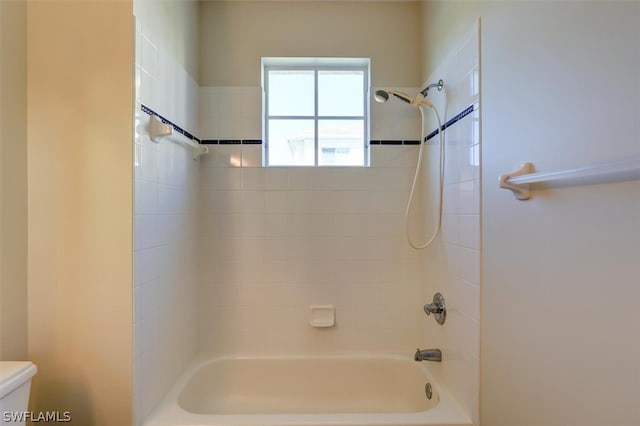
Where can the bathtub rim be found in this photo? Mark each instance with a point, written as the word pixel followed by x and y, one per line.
pixel 447 412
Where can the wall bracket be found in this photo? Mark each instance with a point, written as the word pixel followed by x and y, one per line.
pixel 521 191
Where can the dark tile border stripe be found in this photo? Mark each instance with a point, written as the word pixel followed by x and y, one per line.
pixel 177 128
pixel 468 110
pixel 232 142
pixel 394 142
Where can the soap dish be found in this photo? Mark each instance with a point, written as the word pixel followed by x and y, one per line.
pixel 322 316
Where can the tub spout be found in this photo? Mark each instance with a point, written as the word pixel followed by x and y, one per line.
pixel 428 355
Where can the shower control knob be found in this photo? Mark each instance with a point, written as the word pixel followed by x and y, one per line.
pixel 437 308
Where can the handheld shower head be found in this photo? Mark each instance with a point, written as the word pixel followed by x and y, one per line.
pixel 383 96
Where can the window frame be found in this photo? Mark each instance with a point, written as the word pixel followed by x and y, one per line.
pixel 316 65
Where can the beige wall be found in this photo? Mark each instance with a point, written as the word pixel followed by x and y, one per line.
pixel 235 35
pixel 13 181
pixel 80 115
pixel 550 353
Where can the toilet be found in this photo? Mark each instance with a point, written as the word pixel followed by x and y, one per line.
pixel 15 384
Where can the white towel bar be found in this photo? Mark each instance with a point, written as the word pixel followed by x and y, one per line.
pixel 519 180
pixel 157 129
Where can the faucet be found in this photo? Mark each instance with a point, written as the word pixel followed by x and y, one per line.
pixel 428 355
pixel 433 308
pixel 437 308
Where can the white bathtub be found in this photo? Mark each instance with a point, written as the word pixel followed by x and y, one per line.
pixel 307 391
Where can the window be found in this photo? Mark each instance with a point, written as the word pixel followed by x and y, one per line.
pixel 316 111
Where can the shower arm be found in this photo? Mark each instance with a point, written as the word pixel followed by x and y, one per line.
pixel 439 85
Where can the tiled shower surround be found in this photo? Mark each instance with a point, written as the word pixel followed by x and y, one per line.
pixel 276 240
pixel 230 254
pixel 165 220
pixel 452 265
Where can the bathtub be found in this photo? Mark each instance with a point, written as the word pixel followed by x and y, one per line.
pixel 307 391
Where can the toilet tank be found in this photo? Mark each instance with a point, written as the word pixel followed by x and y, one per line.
pixel 15 384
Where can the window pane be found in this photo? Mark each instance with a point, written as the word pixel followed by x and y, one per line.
pixel 341 93
pixel 291 143
pixel 341 142
pixel 291 92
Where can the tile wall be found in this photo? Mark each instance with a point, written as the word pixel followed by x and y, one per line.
pixel 276 240
pixel 230 254
pixel 166 178
pixel 452 264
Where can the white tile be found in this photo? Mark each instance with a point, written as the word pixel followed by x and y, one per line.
pixel 464 262
pixel 209 127
pixel 145 266
pixel 475 93
pixel 137 160
pixel 149 161
pixel 464 298
pixel 232 248
pixel 148 56
pixel 390 178
pixel 221 201
pixel 277 202
pixel 226 179
pixel 468 169
pixel 468 196
pixel 322 202
pixel 224 156
pixel 171 200
pixel 465 336
pixel 146 231
pixel 192 108
pixel 138 346
pixel 468 57
pixel 167 85
pixel 252 156
pixel 354 201
pixel 276 178
pixel 278 225
pixel 149 90
pixel 182 97
pixel 138 84
pixel 170 228
pixel 251 202
pixel 465 129
pixel 137 317
pixel 304 201
pixel 253 178
pixel 146 197
pixel 394 156
pixel 469 231
pixel 324 179
pixel 208 101
pixel 231 128
pixel 138 41
pixel 386 201
pixel 301 178
pixel 252 128
pixel 239 225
